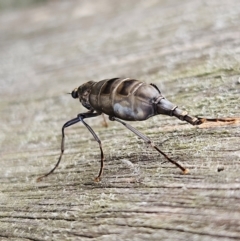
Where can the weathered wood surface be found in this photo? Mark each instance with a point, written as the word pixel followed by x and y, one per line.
pixel 191 50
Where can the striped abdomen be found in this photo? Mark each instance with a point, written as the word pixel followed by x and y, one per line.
pixel 126 98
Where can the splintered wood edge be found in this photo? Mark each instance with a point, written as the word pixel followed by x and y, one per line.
pixel 213 122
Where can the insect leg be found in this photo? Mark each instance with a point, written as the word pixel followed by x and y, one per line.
pixel 146 139
pixel 87 115
pixel 67 124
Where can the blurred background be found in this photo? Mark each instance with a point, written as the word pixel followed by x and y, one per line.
pixel 14 4
pixel 48 47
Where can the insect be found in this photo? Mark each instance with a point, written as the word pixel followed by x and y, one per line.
pixel 123 99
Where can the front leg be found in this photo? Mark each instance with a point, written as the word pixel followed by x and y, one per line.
pixel 79 118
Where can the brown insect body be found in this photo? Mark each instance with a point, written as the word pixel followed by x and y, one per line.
pixel 127 99
pixel 123 99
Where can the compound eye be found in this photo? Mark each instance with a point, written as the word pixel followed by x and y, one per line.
pixel 75 93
